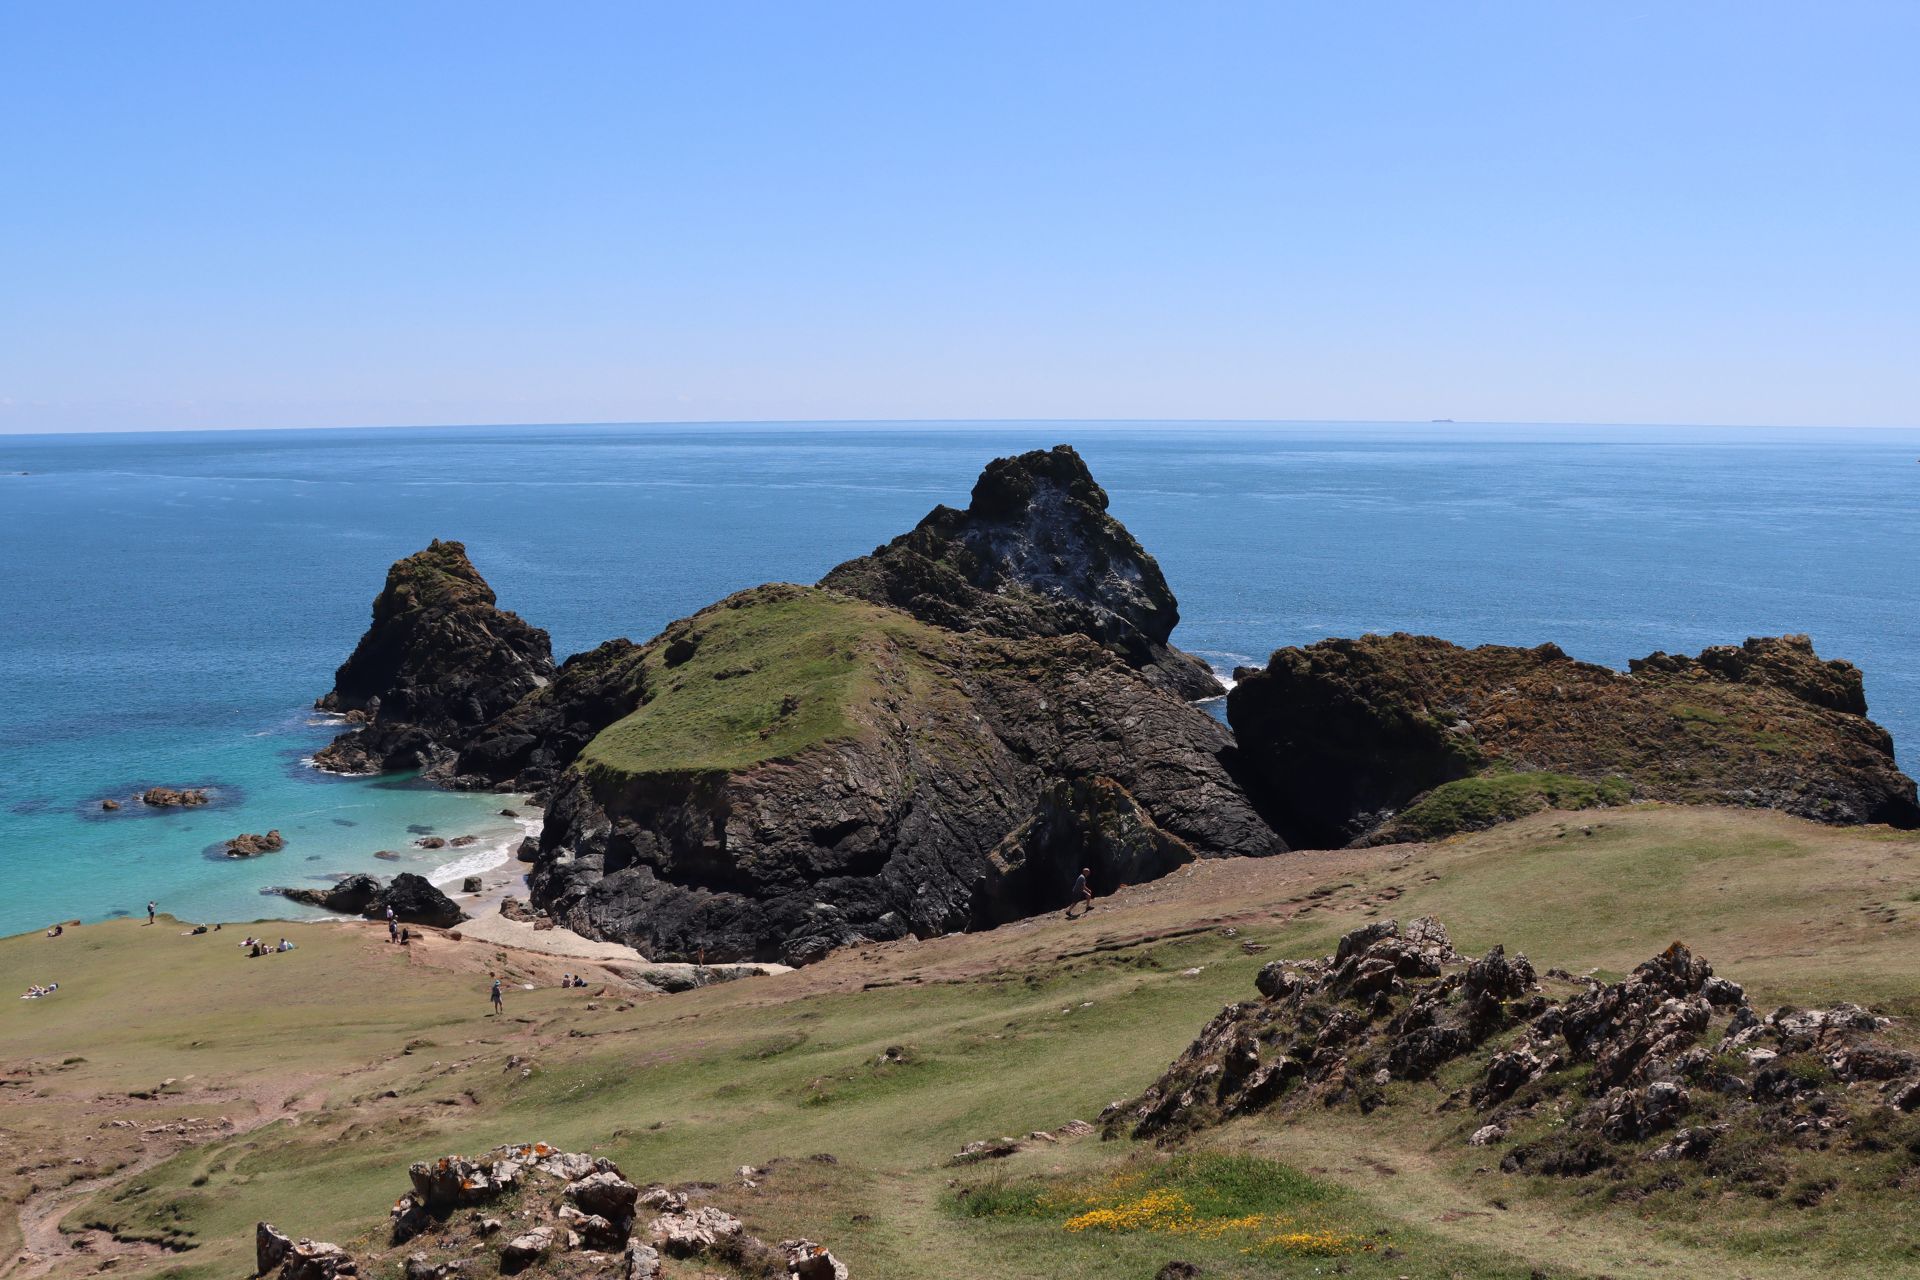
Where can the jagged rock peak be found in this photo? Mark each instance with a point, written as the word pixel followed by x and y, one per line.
pixel 439 660
pixel 1786 662
pixel 1034 554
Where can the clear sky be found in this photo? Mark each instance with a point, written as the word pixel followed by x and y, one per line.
pixel 312 214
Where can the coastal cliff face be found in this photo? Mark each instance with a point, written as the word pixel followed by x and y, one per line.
pixel 439 661
pixel 809 770
pixel 1034 554
pixel 1406 737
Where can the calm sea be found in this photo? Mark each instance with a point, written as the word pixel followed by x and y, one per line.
pixel 173 603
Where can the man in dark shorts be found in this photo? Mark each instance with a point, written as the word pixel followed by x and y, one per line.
pixel 1082 892
pixel 150 907
pixel 498 1007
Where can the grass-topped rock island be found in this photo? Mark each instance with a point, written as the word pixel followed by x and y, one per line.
pixel 1500 964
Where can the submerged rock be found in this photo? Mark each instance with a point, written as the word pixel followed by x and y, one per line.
pixel 171 798
pixel 248 846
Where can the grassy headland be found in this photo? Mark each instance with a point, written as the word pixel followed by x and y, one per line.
pixel 336 1065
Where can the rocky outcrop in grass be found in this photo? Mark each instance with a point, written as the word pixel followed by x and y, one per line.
pixel 1671 1067
pixel 413 898
pixel 532 1208
pixel 440 661
pixel 1403 737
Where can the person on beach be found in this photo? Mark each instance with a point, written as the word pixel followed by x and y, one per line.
pixel 1082 892
pixel 498 1005
pixel 150 909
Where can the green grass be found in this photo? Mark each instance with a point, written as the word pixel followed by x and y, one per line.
pixel 1474 804
pixel 770 673
pixel 1007 1032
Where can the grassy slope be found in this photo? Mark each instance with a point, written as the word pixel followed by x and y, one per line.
pixel 1013 1030
pixel 775 670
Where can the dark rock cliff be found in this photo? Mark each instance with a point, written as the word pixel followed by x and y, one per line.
pixel 439 661
pixel 540 735
pixel 1340 738
pixel 965 780
pixel 1034 554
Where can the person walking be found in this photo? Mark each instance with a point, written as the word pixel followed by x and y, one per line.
pixel 498 1005
pixel 1082 892
pixel 151 904
pixel 393 926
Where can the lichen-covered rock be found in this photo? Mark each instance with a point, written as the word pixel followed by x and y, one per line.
pixel 640 1262
pixel 1404 737
pixel 607 1194
pixel 317 1260
pixel 454 1182
pixel 1035 553
pixel 691 1232
pixel 440 661
pixel 809 1261
pixel 527 1248
pixel 270 1248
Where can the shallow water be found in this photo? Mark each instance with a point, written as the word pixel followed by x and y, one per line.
pixel 175 602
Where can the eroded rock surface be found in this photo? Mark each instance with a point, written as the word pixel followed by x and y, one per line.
pixel 1402 737
pixel 1034 554
pixel 1661 1065
pixel 949 744
pixel 440 661
pixel 572 1215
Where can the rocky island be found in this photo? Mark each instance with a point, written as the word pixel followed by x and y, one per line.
pixel 940 734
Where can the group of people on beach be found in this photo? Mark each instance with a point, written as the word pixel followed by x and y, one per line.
pixel 36 991
pixel 260 947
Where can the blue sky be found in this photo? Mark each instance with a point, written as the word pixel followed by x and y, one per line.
pixel 337 214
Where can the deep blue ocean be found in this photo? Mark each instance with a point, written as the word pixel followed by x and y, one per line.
pixel 175 602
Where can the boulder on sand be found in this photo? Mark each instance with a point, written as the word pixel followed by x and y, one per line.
pixel 415 901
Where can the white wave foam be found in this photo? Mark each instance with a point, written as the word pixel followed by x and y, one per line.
pixel 484 858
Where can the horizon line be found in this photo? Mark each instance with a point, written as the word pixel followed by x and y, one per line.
pixel 984 423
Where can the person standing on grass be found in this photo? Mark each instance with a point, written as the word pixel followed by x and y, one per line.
pixel 151 904
pixel 1082 892
pixel 498 1005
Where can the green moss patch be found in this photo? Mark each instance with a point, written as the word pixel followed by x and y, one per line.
pixel 760 676
pixel 1474 804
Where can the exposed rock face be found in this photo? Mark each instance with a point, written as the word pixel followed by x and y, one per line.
pixel 1338 738
pixel 1034 554
pixel 544 732
pixel 1609 1073
pixel 248 846
pixel 1087 822
pixel 415 901
pixel 439 662
pixel 350 896
pixel 950 743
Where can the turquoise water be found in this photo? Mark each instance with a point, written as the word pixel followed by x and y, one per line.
pixel 175 602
